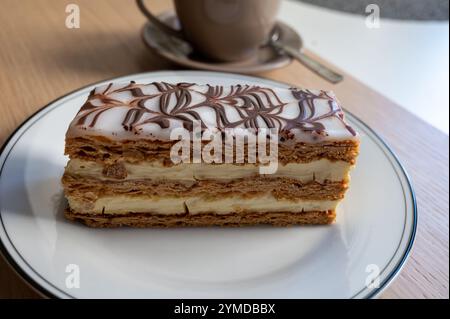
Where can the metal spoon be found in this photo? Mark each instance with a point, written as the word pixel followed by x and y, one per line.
pixel 311 64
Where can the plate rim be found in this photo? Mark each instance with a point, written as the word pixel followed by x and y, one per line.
pixel 47 294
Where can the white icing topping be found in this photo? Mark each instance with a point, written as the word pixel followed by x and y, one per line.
pixel 151 111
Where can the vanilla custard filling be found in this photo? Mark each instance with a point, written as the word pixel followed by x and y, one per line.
pixel 319 170
pixel 198 205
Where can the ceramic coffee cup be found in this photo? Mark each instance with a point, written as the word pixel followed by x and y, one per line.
pixel 222 30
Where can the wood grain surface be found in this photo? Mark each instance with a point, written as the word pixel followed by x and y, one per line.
pixel 40 60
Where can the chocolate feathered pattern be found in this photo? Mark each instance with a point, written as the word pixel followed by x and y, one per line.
pixel 250 102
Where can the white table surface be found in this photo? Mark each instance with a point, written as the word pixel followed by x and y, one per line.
pixel 407 61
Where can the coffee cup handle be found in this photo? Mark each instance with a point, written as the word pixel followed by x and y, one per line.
pixel 160 25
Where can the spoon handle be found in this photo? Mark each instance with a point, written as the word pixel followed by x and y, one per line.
pixel 314 65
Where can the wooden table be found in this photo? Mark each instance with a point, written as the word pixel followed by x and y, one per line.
pixel 40 60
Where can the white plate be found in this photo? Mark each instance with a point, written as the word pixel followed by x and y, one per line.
pixel 374 231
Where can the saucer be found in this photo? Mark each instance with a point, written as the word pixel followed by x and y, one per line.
pixel 180 52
